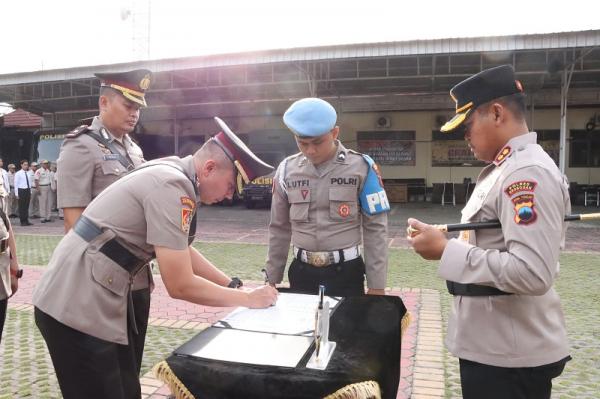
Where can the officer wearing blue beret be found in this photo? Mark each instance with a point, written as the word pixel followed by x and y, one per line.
pixel 506 326
pixel 327 200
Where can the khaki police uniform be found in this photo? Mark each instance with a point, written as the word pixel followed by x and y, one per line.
pixel 43 177
pixel 13 203
pixel 317 209
pixel 86 167
pixel 89 277
pixel 527 328
pixel 34 200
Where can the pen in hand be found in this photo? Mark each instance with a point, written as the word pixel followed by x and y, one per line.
pixel 267 282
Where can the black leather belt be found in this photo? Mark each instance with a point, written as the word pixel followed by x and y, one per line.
pixel 473 289
pixel 88 230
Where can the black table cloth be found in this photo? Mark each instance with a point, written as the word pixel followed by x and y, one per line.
pixel 367 330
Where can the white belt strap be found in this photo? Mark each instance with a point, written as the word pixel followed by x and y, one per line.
pixel 333 256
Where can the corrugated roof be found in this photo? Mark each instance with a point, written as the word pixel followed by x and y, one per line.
pixel 21 118
pixel 578 39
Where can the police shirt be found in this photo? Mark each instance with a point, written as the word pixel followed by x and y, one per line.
pixel 86 290
pixel 86 167
pixel 524 189
pixel 319 210
pixel 43 176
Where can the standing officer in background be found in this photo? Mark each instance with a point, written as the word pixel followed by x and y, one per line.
pixel 34 200
pixel 81 302
pixel 507 326
pixel 325 199
pixel 42 181
pixel 13 206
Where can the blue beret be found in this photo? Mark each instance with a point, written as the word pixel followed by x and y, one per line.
pixel 310 117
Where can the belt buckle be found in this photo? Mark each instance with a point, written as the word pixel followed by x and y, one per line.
pixel 318 259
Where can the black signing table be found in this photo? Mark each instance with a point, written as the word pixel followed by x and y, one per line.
pixel 367 331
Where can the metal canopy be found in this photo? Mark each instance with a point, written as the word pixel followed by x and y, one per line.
pixel 414 75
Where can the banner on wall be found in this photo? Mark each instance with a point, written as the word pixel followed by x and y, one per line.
pixel 452 153
pixel 389 148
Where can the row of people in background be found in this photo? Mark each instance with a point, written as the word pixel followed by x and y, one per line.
pixel 31 191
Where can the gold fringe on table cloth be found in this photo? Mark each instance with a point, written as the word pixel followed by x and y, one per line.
pixel 163 372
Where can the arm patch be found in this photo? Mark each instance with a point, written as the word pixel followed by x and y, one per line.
pixel 373 199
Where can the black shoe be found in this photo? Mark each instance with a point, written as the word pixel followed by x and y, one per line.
pixel 35 217
pixel 13 216
pixel 26 224
pixel 44 221
pixel 61 218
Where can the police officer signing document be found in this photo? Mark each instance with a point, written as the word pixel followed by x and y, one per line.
pixel 83 302
pixel 507 326
pixel 326 201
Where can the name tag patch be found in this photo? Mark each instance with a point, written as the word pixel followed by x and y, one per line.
pixel 110 157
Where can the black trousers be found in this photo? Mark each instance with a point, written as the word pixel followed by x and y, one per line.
pixel 339 279
pixel 491 382
pixel 24 197
pixel 3 304
pixel 91 368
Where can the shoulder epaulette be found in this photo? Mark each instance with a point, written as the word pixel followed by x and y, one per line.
pixel 77 132
pixel 354 152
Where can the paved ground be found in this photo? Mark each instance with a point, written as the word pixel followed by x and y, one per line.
pixel 425 365
pixel 237 224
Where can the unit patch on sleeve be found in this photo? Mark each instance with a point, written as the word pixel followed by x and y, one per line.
pixel 519 186
pixel 524 209
pixel 189 202
pixel 373 199
pixel 186 219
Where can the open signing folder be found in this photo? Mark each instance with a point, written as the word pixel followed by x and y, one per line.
pixel 294 314
pixel 279 335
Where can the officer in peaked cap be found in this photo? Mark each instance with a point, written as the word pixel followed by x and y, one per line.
pixel 248 165
pixel 132 85
pixel 506 326
pixel 92 157
pixel 83 302
pixel 327 200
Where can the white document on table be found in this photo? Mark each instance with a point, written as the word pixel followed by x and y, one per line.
pixel 294 314
pixel 253 347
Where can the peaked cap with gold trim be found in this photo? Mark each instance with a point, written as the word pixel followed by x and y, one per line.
pixel 248 165
pixel 479 89
pixel 132 84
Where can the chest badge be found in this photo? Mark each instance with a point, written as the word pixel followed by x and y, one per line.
pixel 304 193
pixel 344 210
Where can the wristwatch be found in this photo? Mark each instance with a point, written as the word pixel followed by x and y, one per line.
pixel 17 274
pixel 235 283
